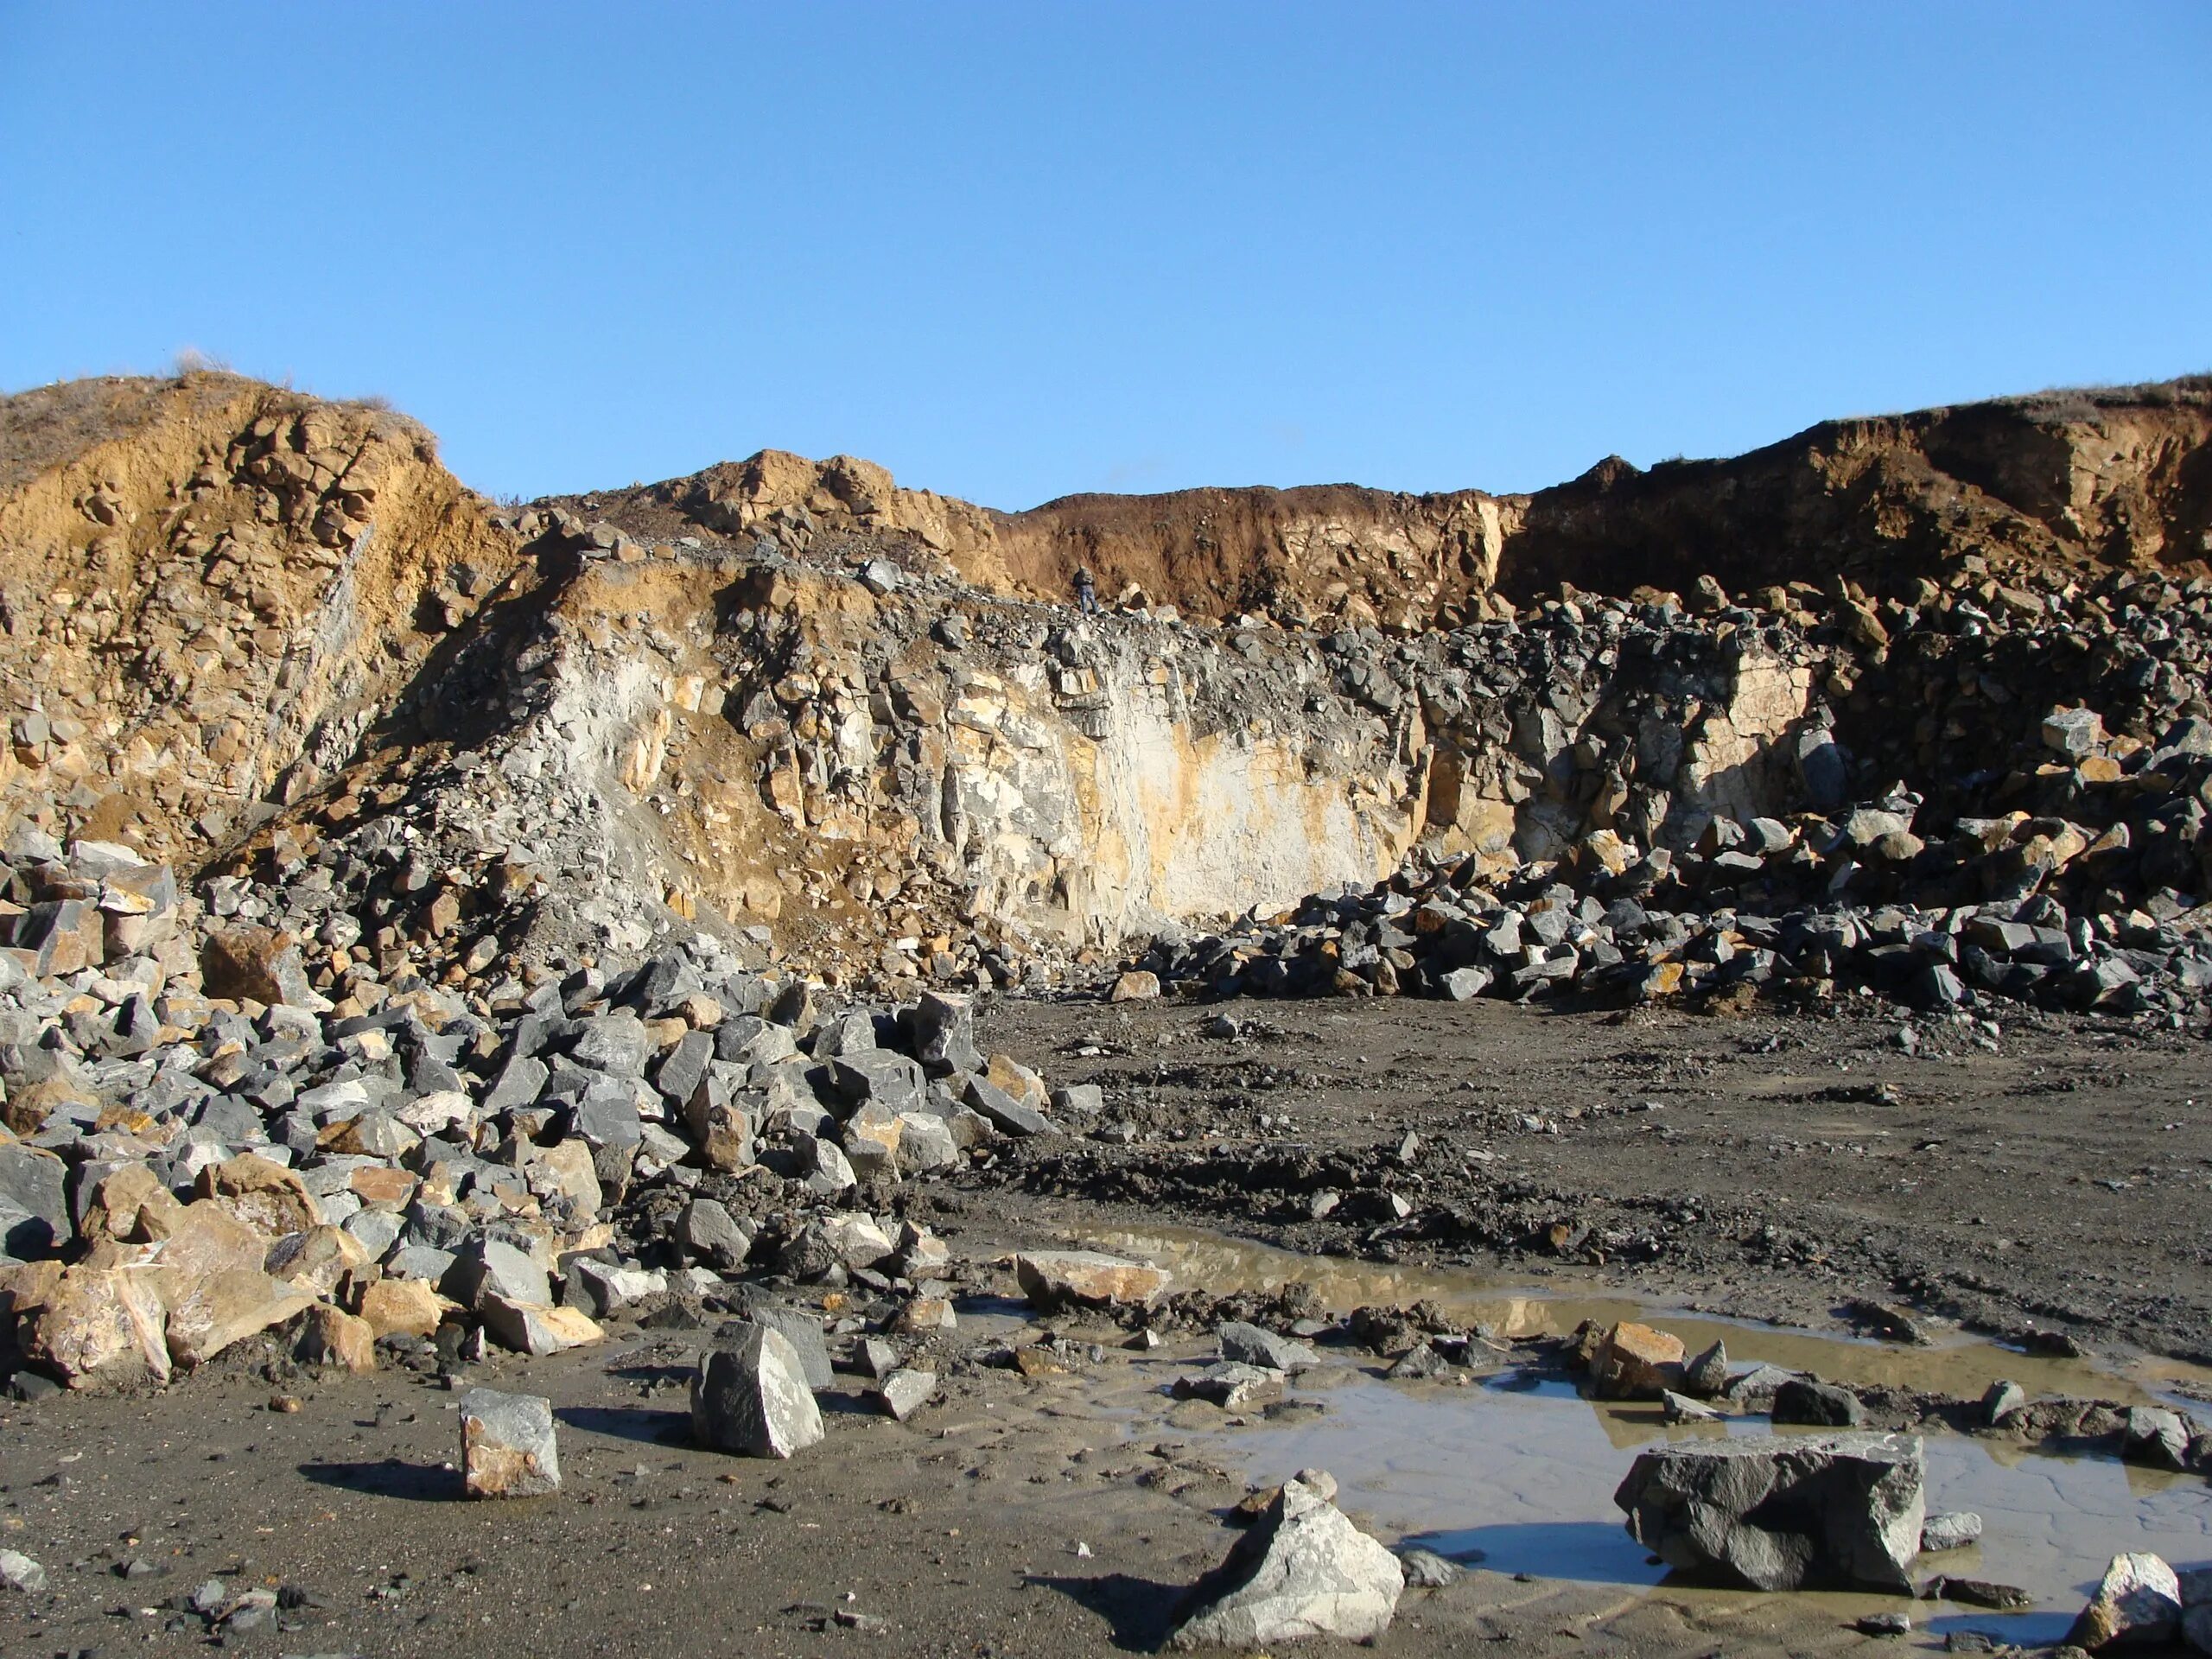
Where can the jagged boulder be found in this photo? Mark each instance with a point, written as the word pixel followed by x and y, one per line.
pixel 1843 1510
pixel 1303 1570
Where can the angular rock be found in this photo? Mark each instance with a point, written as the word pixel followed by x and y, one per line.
pixel 1302 1570
pixel 2137 1604
pixel 19 1573
pixel 1808 1401
pixel 706 1229
pixel 1003 1111
pixel 329 1336
pixel 97 1326
pixel 904 1392
pixel 534 1327
pixel 1054 1278
pixel 226 1307
pixel 1634 1362
pixel 1228 1384
pixel 1843 1510
pixel 1249 1344
pixel 751 1396
pixel 1954 1529
pixel 507 1445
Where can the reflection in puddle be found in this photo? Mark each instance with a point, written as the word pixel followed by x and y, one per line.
pixel 1523 1468
pixel 1964 1368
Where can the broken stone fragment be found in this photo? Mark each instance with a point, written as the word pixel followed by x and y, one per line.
pixel 329 1336
pixel 257 964
pixel 904 1392
pixel 226 1307
pixel 507 1446
pixel 1053 1278
pixel 1227 1385
pixel 1808 1401
pixel 19 1573
pixel 1137 986
pixel 2137 1604
pixel 534 1327
pixel 1952 1530
pixel 750 1396
pixel 1843 1510
pixel 1303 1570
pixel 408 1307
pixel 1634 1362
pixel 1252 1345
pixel 94 1327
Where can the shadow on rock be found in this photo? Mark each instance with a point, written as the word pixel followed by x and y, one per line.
pixel 417 1483
pixel 1141 1611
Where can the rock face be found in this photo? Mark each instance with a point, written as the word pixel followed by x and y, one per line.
pixel 1843 1510
pixel 507 1447
pixel 1302 1570
pixel 751 1396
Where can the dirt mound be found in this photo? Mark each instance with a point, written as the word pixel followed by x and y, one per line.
pixel 2113 477
pixel 209 588
pixel 2120 477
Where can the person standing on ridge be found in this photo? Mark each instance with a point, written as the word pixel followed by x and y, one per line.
pixel 1086 591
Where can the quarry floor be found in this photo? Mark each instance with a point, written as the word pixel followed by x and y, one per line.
pixel 2059 1181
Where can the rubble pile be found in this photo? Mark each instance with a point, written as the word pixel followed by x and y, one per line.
pixel 201 1147
pixel 2065 868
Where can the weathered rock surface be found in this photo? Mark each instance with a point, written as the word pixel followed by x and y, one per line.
pixel 1845 1510
pixel 1053 1278
pixel 507 1445
pixel 1303 1570
pixel 751 1396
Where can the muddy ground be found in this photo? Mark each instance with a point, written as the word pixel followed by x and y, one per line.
pixel 2052 1178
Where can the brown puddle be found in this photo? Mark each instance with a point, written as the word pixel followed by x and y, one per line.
pixel 1524 1471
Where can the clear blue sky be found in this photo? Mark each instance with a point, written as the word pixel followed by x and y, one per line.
pixel 1016 250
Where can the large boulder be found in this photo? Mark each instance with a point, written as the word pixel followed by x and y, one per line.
pixel 751 1396
pixel 1841 1511
pixel 1302 1570
pixel 2137 1604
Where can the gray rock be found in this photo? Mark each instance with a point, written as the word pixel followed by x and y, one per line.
pixel 1952 1530
pixel 1302 1570
pixel 1426 1570
pixel 2001 1401
pixel 2137 1604
pixel 751 1397
pixel 19 1573
pixel 1808 1401
pixel 1004 1112
pixel 800 1328
pixel 35 1184
pixel 507 1445
pixel 1227 1383
pixel 2155 1436
pixel 904 1392
pixel 1844 1510
pixel 706 1230
pixel 877 1076
pixel 945 1035
pixel 1682 1408
pixel 1249 1344
pixel 518 1085
pixel 684 1066
pixel 613 1042
pixel 491 1266
pixel 1707 1375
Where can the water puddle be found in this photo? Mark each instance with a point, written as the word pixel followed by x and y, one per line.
pixel 1523 1470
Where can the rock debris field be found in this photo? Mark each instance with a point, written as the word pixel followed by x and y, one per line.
pixel 721 1063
